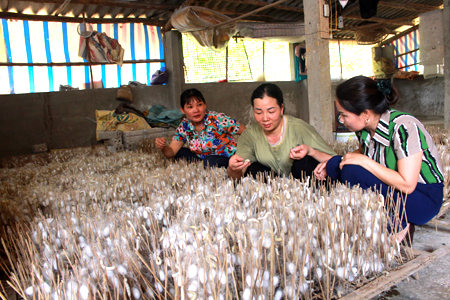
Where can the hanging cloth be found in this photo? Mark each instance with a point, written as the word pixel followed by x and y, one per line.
pixel 102 49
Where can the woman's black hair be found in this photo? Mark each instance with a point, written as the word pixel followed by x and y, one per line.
pixel 187 96
pixel 361 93
pixel 268 89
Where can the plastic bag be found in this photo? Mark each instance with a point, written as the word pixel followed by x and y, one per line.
pixel 195 20
pixel 159 77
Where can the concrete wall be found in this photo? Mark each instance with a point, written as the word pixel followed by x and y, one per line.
pixel 233 99
pixel 423 98
pixel 64 119
pixel 61 119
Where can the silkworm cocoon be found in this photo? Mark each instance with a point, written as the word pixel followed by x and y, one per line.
pixel 88 251
pixel 253 232
pixel 291 215
pixel 368 232
pixel 278 295
pixel 193 287
pixel 305 271
pixel 105 231
pixel 202 275
pixel 303 287
pixel 159 287
pixel 340 272
pixel 291 267
pixel 267 242
pixel 266 275
pixel 290 291
pixel 218 221
pixel 276 281
pixel 247 294
pixel 162 275
pixel 319 273
pixel 192 271
pixel 213 273
pixel 84 292
pixel 223 277
pixel 29 291
pixel 248 280
pixel 121 270
pixel 368 216
pixel 136 292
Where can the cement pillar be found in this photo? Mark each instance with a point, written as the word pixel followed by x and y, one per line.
pixel 447 63
pixel 173 51
pixel 318 64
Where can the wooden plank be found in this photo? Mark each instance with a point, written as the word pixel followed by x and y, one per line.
pixel 246 14
pixel 399 35
pixel 29 17
pixel 57 64
pixel 421 8
pixel 385 282
pixel 444 209
pixel 124 4
pixel 324 22
pixel 399 21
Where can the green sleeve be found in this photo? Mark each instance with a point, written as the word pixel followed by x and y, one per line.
pixel 245 146
pixel 313 139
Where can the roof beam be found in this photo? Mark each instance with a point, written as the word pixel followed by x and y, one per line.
pixel 408 6
pixel 168 26
pixel 111 3
pixel 398 35
pixel 47 18
pixel 399 21
pixel 350 8
pixel 62 7
pixel 261 3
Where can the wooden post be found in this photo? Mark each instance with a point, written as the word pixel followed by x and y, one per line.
pixel 91 83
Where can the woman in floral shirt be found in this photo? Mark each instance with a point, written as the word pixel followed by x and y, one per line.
pixel 209 134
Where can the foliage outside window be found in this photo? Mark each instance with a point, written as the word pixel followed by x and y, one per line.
pixel 243 60
pixel 353 58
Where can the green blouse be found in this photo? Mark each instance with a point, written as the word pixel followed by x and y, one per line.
pixel 253 144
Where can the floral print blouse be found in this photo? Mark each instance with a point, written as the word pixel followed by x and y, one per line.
pixel 216 138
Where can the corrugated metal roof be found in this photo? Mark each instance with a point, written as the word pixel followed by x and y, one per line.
pixel 391 14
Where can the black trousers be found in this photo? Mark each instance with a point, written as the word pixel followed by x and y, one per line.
pixel 211 160
pixel 300 168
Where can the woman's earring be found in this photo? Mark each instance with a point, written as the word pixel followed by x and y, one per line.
pixel 366 121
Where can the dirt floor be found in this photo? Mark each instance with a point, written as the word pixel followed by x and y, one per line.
pixel 433 281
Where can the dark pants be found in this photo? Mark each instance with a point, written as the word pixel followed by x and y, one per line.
pixel 210 160
pixel 420 206
pixel 300 168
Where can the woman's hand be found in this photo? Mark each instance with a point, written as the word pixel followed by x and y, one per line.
pixel 299 152
pixel 237 163
pixel 160 143
pixel 321 170
pixel 353 158
pixel 237 166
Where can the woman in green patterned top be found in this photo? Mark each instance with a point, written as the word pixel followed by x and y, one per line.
pixel 395 151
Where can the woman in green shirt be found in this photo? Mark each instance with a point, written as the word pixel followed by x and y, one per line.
pixel 276 142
